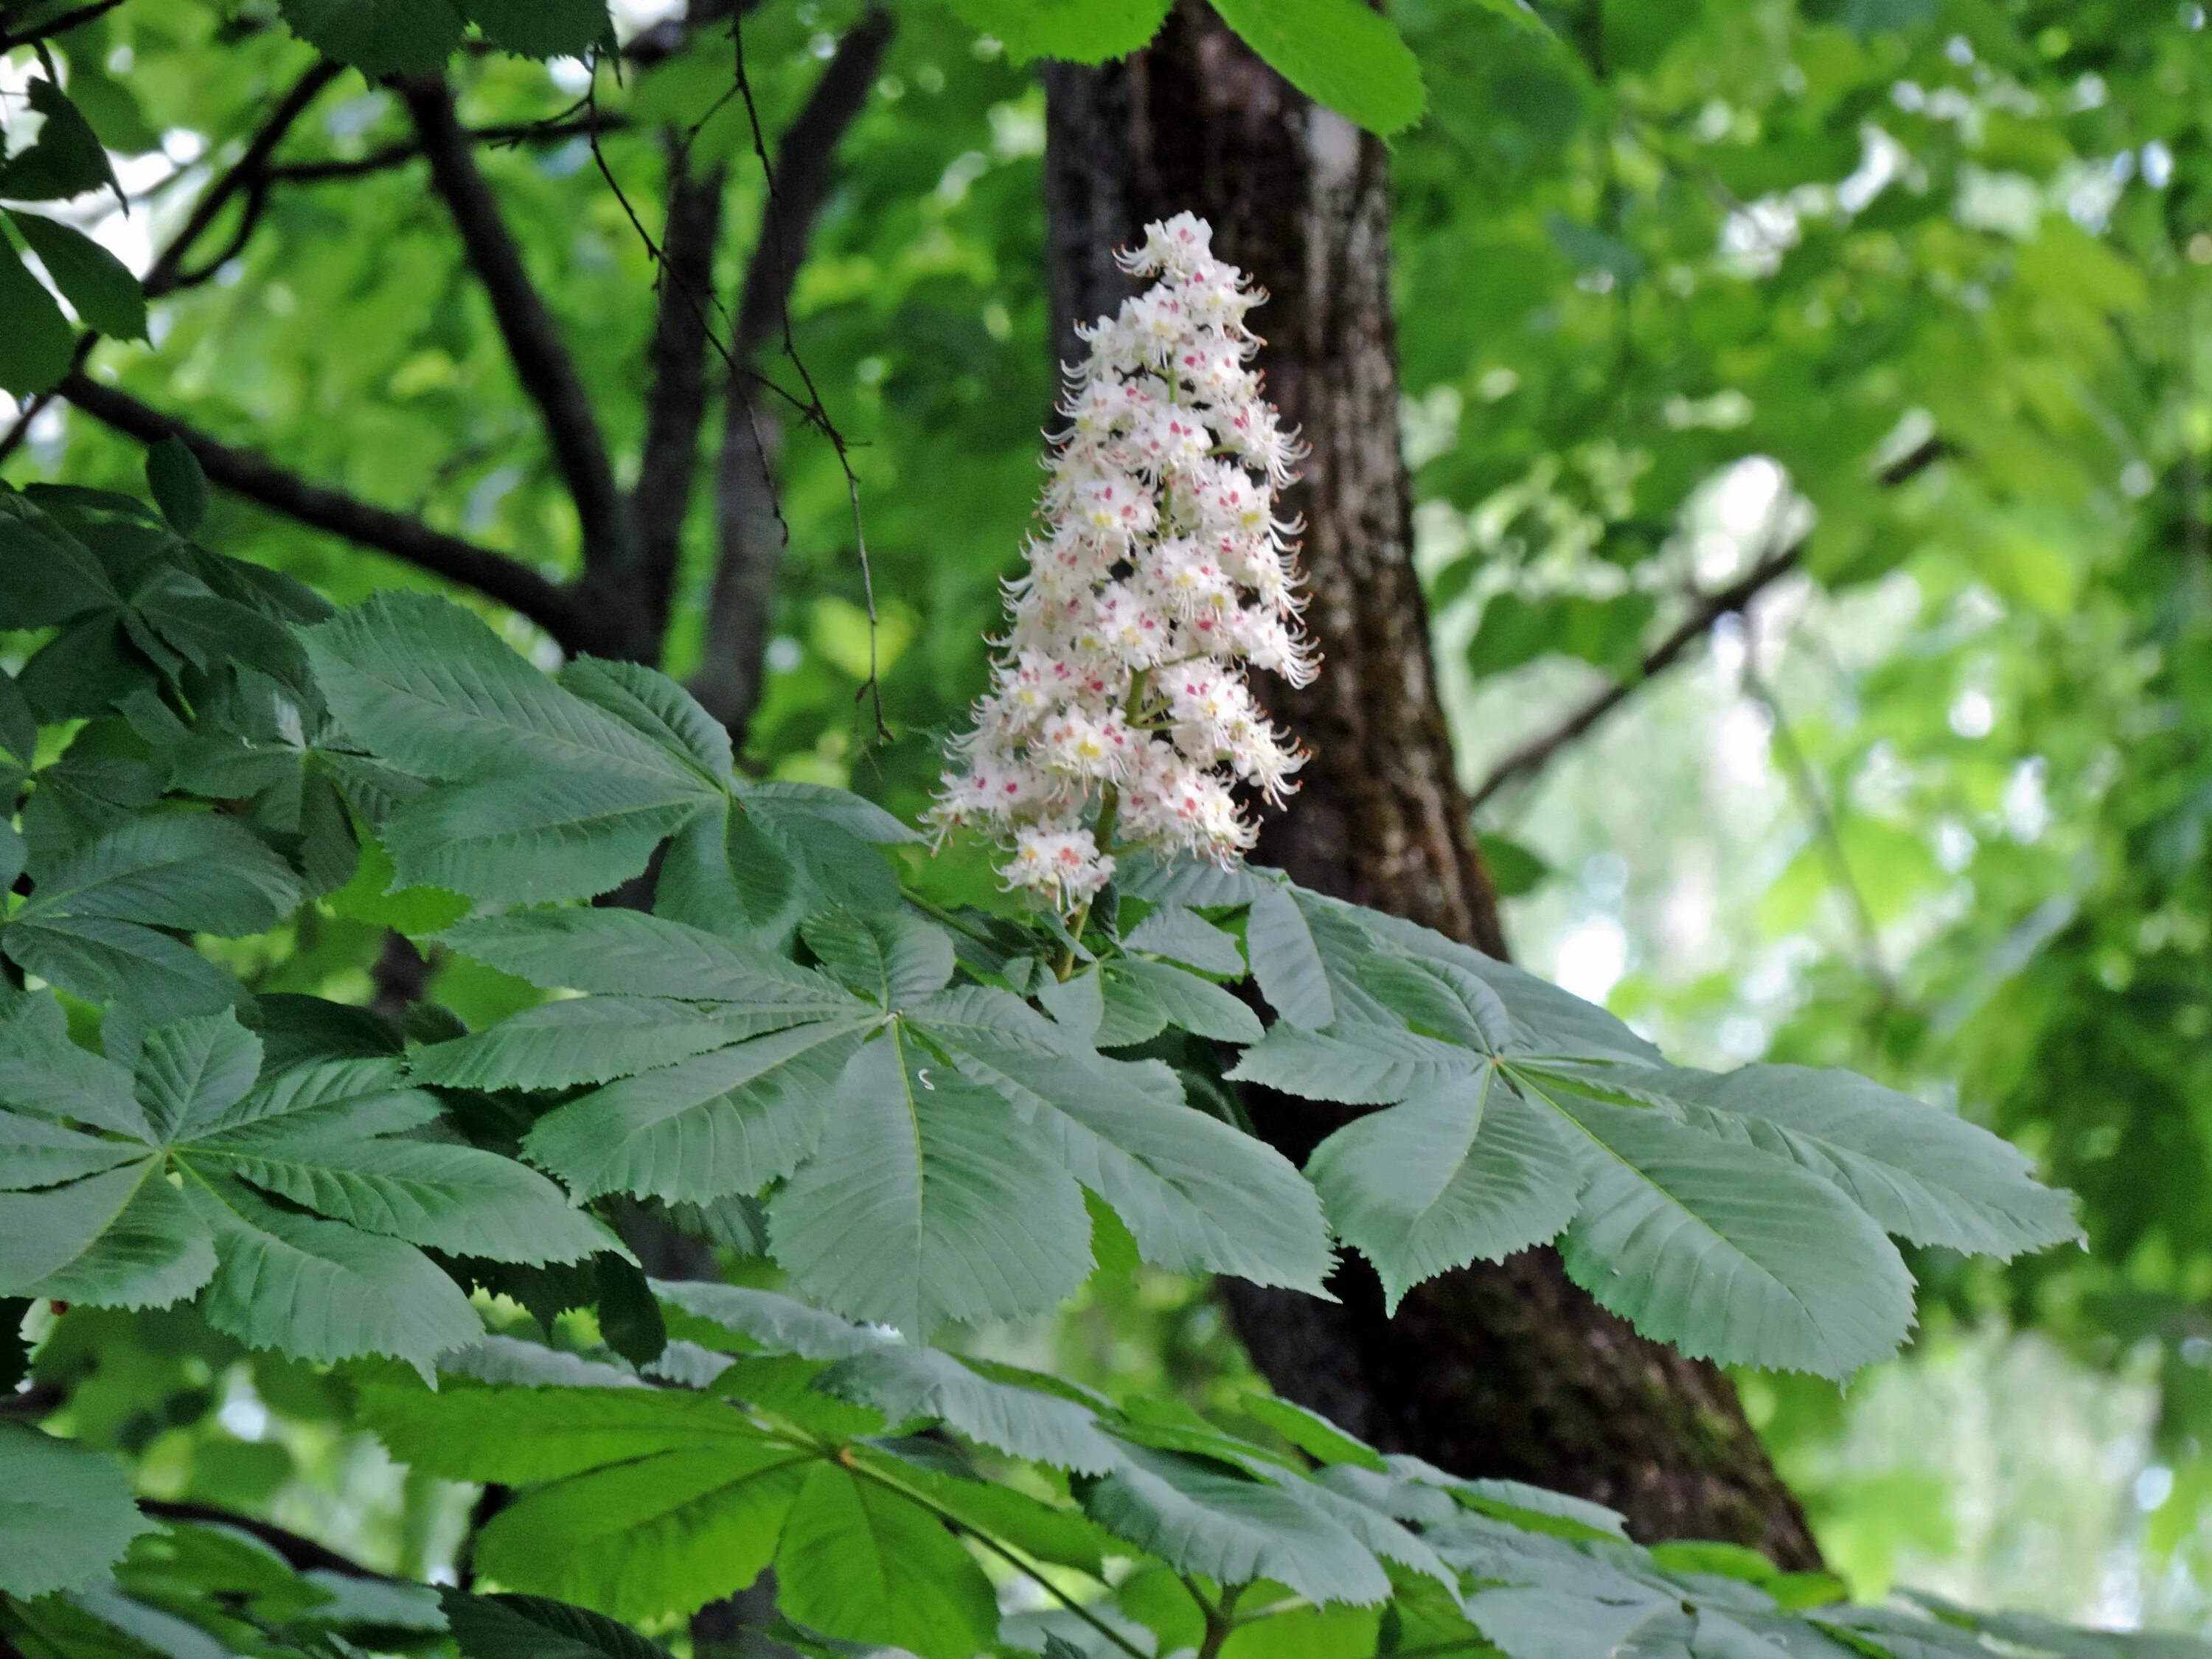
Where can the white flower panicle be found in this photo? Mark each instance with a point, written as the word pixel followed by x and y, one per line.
pixel 1118 715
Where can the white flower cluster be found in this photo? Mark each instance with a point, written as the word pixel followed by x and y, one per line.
pixel 1118 713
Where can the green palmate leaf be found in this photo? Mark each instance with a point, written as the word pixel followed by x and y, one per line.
pixel 623 952
pixel 1202 1518
pixel 1197 1196
pixel 653 704
pixel 1182 935
pixel 125 1238
pixel 191 871
pixel 318 1289
pixel 1918 1171
pixel 1040 1531
pixel 67 160
pixel 379 37
pixel 1081 31
pixel 1356 1063
pixel 532 1627
pixel 119 962
pixel 909 1383
pixel 664 1534
pixel 1312 1433
pixel 893 960
pixel 456 1199
pixel 1143 997
pixel 189 1073
pixel 864 1564
pixel 172 473
pixel 928 1200
pixel 1727 1251
pixel 731 1120
pixel 1462 1169
pixel 543 28
pixel 1338 53
pixel 36 345
pixel 584 1040
pixel 101 287
pixel 764 1320
pixel 430 689
pixel 535 835
pixel 66 1513
pixel 522 1436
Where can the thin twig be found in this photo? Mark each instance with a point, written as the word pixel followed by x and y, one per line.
pixel 1534 755
pixel 1798 767
pixel 817 414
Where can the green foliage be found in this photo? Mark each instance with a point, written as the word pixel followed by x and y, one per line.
pixel 1339 52
pixel 213 824
pixel 68 1514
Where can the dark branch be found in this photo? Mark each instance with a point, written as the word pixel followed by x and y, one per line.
pixel 676 406
pixel 249 172
pixel 385 157
pixel 57 27
pixel 301 1554
pixel 541 360
pixel 256 477
pixel 1534 755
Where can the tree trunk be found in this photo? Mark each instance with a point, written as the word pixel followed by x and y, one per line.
pixel 1501 1371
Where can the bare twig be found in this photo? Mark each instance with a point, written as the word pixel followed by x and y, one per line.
pixel 541 360
pixel 496 576
pixel 1532 756
pixel 397 153
pixel 753 535
pixel 783 229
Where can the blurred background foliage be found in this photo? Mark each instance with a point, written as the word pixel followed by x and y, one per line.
pixel 1818 388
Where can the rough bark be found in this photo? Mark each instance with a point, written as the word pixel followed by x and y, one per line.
pixel 1505 1370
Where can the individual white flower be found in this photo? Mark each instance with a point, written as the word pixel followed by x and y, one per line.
pixel 1118 715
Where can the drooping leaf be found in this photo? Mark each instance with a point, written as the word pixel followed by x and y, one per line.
pixel 1462 1169
pixel 1920 1172
pixel 1339 52
pixel 927 1200
pixel 906 1382
pixel 66 1513
pixel 543 28
pixel 533 1628
pixel 36 345
pixel 1202 1518
pixel 862 1563
pixel 172 473
pixel 99 286
pixel 1197 1195
pixel 379 37
pixel 1728 1252
pixel 730 1121
pixel 1080 31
